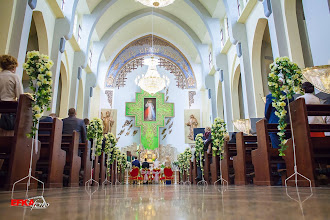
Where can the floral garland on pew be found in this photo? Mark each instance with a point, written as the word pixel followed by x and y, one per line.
pixel 284 80
pixel 95 132
pixel 200 150
pixel 122 161
pixel 218 134
pixel 180 162
pixel 187 158
pixel 110 144
pixel 37 67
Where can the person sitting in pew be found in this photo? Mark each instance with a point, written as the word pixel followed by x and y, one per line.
pixel 310 98
pixel 273 119
pixel 72 123
pixel 233 138
pixel 86 121
pixel 10 90
pixel 47 119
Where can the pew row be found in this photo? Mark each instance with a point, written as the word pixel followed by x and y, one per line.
pixel 15 150
pixel 70 144
pixel 265 158
pixel 311 152
pixel 53 157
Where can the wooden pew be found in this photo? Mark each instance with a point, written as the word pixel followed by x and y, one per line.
pixel 52 157
pixel 194 172
pixel 113 172
pixel 243 156
pixel 265 156
pixel 96 173
pixel 214 168
pixel 86 163
pixel 309 150
pixel 103 167
pixel 207 160
pixel 16 149
pixel 70 144
pixel 226 163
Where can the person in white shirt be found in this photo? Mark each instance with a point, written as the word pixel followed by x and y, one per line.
pixel 310 98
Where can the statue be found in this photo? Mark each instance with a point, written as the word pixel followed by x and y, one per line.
pixel 193 124
pixel 107 122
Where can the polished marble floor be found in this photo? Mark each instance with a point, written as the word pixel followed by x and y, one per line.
pixel 174 202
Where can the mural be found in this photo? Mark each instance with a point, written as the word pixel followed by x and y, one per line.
pixel 131 57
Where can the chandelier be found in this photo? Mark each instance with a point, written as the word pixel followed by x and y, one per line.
pixel 156 3
pixel 152 82
pixel 243 125
pixel 319 76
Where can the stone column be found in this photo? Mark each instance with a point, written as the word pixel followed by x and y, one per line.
pixel 78 60
pixel 20 34
pixel 318 22
pixel 61 28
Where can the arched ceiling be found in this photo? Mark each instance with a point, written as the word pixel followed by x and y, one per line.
pixel 185 23
pixel 142 26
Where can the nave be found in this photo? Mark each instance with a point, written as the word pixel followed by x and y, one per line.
pixel 176 202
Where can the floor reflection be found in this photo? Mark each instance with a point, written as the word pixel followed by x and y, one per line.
pixel 176 202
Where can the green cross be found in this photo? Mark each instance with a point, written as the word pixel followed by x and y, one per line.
pixel 149 129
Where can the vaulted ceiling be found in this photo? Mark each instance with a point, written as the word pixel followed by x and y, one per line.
pixel 185 23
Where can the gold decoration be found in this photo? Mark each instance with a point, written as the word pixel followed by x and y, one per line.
pixel 319 76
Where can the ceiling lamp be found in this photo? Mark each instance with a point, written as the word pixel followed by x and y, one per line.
pixel 243 125
pixel 319 76
pixel 156 3
pixel 152 82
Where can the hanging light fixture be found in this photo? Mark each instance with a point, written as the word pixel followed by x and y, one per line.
pixel 319 76
pixel 156 3
pixel 152 82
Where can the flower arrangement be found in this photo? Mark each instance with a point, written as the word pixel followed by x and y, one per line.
pixel 95 132
pixel 284 80
pixel 218 134
pixel 200 150
pixel 122 161
pixel 110 144
pixel 187 158
pixel 180 162
pixel 37 67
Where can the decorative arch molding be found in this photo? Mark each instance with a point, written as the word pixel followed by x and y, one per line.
pixel 131 57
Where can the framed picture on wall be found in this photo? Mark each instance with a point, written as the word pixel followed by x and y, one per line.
pixel 149 109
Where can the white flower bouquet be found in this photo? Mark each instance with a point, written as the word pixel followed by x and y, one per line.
pixel 218 134
pixel 95 132
pixel 37 67
pixel 284 80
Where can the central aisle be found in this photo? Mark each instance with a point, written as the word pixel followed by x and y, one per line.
pixel 173 202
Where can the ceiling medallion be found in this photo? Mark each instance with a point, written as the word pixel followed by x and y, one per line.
pixel 156 3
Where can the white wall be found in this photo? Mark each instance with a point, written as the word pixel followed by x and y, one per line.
pixel 127 94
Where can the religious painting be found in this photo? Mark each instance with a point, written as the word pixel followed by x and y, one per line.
pixel 191 121
pixel 109 119
pixel 149 122
pixel 149 109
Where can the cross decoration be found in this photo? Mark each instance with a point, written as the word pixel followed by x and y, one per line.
pixel 149 126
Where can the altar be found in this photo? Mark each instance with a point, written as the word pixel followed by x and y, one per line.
pixel 160 153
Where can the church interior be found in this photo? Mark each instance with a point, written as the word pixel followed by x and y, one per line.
pixel 180 109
